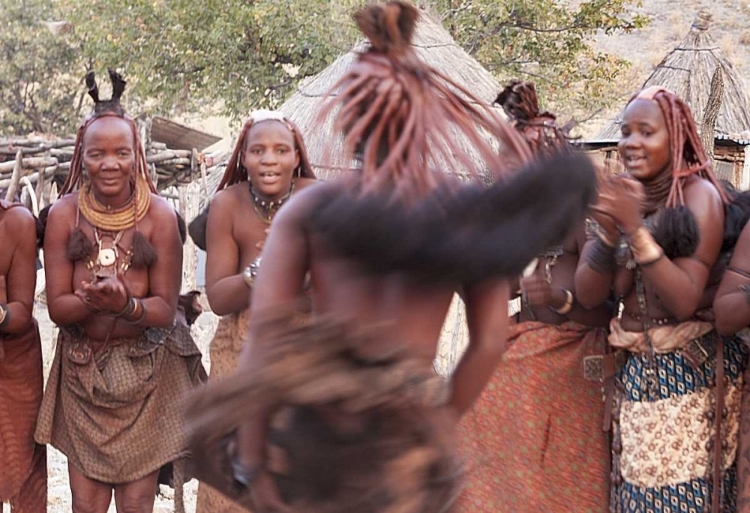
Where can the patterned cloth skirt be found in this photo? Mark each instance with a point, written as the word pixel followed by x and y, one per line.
pixel 533 440
pixel 664 431
pixel 116 413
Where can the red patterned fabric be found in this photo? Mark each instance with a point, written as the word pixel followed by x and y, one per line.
pixel 23 463
pixel 534 440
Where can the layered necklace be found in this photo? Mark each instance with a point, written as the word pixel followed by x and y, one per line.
pixel 109 224
pixel 116 219
pixel 265 208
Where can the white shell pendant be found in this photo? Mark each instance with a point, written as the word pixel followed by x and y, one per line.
pixel 107 257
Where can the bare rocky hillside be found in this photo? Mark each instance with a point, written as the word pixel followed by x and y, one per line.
pixel 670 22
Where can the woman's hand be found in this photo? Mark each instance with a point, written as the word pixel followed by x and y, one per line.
pixel 540 293
pixel 109 295
pixel 265 495
pixel 620 199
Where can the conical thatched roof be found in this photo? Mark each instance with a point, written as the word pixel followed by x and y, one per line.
pixel 434 45
pixel 687 71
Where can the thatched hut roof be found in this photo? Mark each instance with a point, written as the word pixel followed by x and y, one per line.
pixel 687 70
pixel 433 44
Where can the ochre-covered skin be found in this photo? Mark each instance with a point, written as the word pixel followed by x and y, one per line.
pixel 23 463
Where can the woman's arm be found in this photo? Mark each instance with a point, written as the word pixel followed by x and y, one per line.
pixel 680 283
pixel 487 318
pixel 732 302
pixel 17 289
pixel 285 264
pixel 226 288
pixel 63 305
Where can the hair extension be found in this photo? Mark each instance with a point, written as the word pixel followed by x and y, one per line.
pixel 181 227
pixel 401 118
pixel 235 172
pixel 144 253
pixel 80 247
pixel 462 234
pixel 197 228
pixel 539 129
pixel 737 215
pixel 688 155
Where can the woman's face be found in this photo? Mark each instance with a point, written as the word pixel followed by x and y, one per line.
pixel 644 143
pixel 270 158
pixel 109 159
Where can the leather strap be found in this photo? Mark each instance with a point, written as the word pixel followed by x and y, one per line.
pixel 718 449
pixel 604 369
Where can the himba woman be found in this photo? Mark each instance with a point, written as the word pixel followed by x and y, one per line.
pixel 340 411
pixel 268 165
pixel 534 439
pixel 122 366
pixel 677 398
pixel 23 463
pixel 731 308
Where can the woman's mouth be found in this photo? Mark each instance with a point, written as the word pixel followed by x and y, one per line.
pixel 269 178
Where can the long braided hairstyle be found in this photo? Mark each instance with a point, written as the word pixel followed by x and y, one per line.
pixel 676 228
pixel 688 155
pixel 401 212
pixel 104 108
pixel 235 172
pixel 401 118
pixel 540 130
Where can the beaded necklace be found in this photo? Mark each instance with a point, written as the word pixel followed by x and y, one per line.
pixel 266 208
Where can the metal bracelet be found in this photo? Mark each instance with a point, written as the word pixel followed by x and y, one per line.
pixel 245 476
pixel 601 257
pixel 745 288
pixel 570 301
pixel 4 315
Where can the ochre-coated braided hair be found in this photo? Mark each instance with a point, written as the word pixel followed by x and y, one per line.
pixel 688 157
pixel 520 102
pixel 104 108
pixel 400 117
pixel 236 172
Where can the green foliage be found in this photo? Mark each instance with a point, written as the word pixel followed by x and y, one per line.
pixel 236 55
pixel 186 55
pixel 545 41
pixel 40 72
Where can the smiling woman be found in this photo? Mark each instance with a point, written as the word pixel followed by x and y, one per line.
pixel 269 164
pixel 659 235
pixel 113 270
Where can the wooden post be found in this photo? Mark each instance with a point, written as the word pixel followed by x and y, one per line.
pixel 711 113
pixel 15 177
pixel 189 206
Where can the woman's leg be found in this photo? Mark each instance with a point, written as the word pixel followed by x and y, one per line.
pixel 89 496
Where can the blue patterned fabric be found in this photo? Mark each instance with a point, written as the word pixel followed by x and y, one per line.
pixel 676 377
